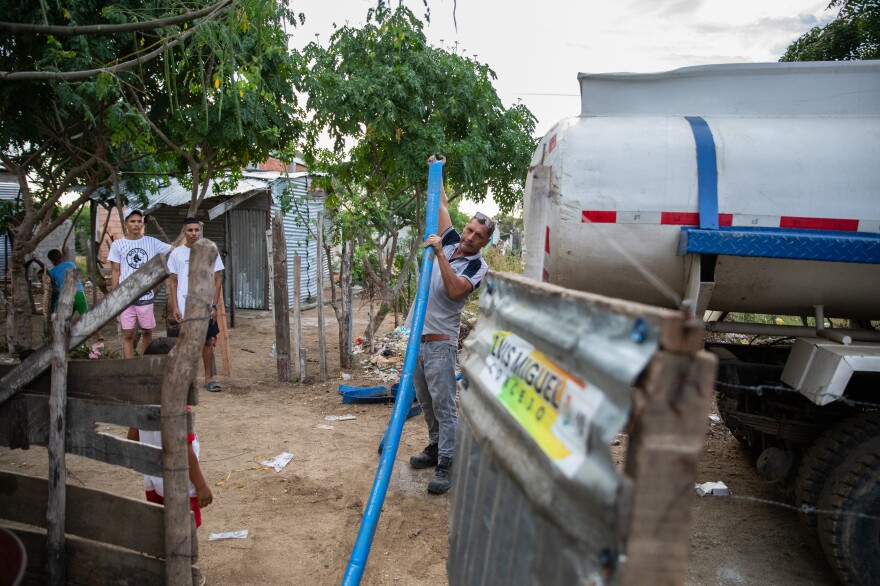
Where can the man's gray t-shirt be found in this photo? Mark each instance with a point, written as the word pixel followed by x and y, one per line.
pixel 443 314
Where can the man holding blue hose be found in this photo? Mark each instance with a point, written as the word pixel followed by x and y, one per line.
pixel 458 269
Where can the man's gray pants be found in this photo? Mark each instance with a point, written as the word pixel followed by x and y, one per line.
pixel 434 380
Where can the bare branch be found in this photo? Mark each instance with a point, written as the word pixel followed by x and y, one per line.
pixel 108 29
pixel 84 74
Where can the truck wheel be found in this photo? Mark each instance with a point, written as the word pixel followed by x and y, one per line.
pixel 850 534
pixel 827 452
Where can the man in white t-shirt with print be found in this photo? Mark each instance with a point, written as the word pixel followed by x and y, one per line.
pixel 178 286
pixel 126 256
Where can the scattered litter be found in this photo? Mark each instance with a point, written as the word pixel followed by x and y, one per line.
pixel 415 533
pixel 248 350
pixel 279 461
pixel 322 426
pixel 338 417
pixel 712 488
pixel 714 418
pixel 229 535
pixel 346 376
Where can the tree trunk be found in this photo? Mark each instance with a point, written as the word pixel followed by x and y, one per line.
pixel 21 303
pixel 92 252
pixel 376 322
pixel 345 294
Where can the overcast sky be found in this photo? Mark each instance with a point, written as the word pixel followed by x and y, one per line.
pixel 538 48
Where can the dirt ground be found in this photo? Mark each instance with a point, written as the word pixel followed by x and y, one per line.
pixel 303 520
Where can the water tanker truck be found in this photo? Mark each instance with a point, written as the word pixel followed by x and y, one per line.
pixel 748 195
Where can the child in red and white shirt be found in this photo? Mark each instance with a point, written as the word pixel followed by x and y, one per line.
pixel 200 494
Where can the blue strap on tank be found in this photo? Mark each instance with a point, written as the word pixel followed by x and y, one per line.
pixel 707 173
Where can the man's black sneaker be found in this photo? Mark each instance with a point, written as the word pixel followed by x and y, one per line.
pixel 426 459
pixel 442 477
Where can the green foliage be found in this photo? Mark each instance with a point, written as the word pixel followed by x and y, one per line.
pixel 853 35
pixel 225 97
pixel 388 100
pixel 503 263
pixel 395 100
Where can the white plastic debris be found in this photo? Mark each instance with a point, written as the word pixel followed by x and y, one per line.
pixel 712 488
pixel 229 535
pixel 322 426
pixel 279 461
pixel 346 376
pixel 714 418
pixel 338 417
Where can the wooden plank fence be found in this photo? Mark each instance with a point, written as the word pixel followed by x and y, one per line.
pixel 89 536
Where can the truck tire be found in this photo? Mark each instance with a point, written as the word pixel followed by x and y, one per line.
pixel 850 534
pixel 827 452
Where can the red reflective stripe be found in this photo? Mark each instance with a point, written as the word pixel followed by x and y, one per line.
pixel 552 144
pixel 819 223
pixel 598 217
pixel 693 219
pixel 547 240
pixel 545 276
pixel 680 218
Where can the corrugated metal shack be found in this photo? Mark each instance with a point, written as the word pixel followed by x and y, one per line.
pixel 237 221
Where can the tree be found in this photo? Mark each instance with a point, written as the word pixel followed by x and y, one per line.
pixel 225 97
pixel 853 35
pixel 388 100
pixel 57 135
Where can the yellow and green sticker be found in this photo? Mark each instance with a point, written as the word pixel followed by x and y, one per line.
pixel 552 406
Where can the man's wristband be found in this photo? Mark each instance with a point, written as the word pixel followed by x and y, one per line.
pixel 213 306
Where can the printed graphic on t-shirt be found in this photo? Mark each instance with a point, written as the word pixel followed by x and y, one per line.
pixel 136 258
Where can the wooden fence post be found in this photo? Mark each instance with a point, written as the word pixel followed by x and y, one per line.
pixel 664 451
pixel 297 317
pixel 56 507
pixel 282 310
pixel 322 339
pixel 182 365
pixel 225 355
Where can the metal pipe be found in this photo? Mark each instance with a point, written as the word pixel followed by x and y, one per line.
pixel 361 550
pixel 724 327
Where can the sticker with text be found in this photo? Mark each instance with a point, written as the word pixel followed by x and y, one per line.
pixel 555 408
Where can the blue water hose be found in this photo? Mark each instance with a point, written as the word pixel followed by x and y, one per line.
pixel 361 550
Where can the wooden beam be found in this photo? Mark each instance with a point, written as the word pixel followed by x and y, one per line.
pixel 225 354
pixel 136 380
pixel 57 503
pixel 24 421
pixel 281 307
pixel 144 279
pixel 322 338
pixel 183 360
pixel 665 445
pixel 297 317
pixel 91 514
pixel 232 203
pixel 90 563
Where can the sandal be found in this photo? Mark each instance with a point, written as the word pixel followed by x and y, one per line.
pixel 213 386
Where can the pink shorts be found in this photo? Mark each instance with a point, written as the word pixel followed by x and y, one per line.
pixel 141 315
